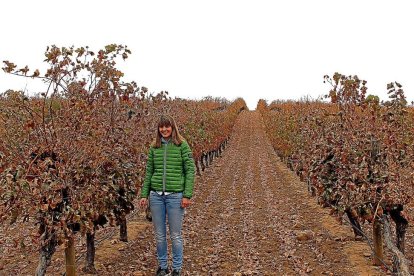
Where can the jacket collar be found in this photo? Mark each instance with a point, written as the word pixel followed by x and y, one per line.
pixel 165 141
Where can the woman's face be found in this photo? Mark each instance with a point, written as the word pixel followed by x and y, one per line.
pixel 165 131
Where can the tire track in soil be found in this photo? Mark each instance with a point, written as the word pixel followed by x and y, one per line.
pixel 251 216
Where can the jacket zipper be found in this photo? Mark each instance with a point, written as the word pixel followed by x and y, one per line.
pixel 165 168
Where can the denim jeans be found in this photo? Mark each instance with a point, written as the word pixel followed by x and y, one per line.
pixel 163 206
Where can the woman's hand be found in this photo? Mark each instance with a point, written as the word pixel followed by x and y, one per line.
pixel 143 203
pixel 185 202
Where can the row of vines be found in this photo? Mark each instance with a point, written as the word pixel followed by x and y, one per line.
pixel 72 158
pixel 355 153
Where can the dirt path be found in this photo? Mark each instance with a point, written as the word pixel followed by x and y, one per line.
pixel 251 216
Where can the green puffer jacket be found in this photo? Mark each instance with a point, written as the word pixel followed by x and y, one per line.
pixel 170 168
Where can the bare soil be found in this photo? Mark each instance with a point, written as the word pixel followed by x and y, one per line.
pixel 250 216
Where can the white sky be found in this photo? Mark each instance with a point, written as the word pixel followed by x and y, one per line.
pixel 223 48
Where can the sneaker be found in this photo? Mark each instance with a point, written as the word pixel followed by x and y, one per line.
pixel 176 272
pixel 163 272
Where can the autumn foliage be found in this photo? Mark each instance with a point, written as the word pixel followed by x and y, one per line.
pixel 73 157
pixel 355 153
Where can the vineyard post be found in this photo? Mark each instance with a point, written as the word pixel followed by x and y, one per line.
pixel 70 257
pixel 378 242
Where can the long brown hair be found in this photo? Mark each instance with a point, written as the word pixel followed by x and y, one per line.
pixel 167 120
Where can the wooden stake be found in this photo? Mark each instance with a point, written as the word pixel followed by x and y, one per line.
pixel 70 258
pixel 378 242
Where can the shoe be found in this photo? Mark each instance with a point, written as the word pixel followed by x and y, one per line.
pixel 163 272
pixel 176 272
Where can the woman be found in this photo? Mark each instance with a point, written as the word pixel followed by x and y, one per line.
pixel 168 183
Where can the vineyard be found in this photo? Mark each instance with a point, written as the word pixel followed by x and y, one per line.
pixel 356 156
pixel 72 161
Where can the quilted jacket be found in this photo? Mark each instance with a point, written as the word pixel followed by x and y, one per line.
pixel 170 168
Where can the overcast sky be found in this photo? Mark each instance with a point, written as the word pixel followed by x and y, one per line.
pixel 250 49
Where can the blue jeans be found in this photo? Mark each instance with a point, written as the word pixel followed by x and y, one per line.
pixel 163 206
